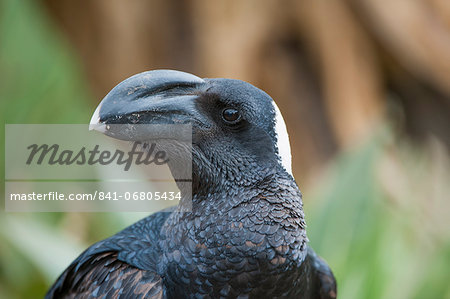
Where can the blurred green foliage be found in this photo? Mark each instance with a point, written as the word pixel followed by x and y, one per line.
pixel 41 82
pixel 377 248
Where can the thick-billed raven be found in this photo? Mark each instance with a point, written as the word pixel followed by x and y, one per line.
pixel 245 236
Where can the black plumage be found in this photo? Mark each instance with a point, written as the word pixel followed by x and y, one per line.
pixel 245 236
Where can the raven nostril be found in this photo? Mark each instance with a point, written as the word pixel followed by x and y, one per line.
pixel 134 118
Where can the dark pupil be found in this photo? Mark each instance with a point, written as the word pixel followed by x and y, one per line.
pixel 230 114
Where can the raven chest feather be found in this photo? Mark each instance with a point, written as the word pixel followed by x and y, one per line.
pixel 236 246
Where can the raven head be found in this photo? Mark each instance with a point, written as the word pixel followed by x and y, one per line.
pixel 238 133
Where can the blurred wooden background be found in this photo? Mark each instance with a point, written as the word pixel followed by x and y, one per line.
pixel 336 68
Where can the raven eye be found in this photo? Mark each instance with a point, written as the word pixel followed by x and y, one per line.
pixel 231 115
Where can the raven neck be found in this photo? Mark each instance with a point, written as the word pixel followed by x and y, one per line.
pixel 266 215
pixel 278 189
pixel 227 182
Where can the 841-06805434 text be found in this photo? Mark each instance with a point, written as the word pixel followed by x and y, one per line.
pixel 97 195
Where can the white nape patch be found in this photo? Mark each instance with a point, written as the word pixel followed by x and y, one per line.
pixel 283 144
pixel 95 124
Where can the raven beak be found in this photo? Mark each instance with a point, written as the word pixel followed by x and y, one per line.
pixel 160 97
